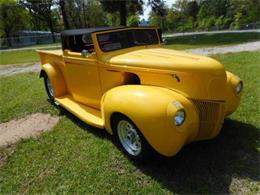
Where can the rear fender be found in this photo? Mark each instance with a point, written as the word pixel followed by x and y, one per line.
pixel 56 79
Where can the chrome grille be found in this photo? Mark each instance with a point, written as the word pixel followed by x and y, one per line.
pixel 211 117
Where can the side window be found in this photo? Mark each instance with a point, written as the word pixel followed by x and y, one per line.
pixel 77 43
pixel 87 42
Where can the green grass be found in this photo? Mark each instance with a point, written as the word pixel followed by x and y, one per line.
pixel 22 95
pixel 210 40
pixel 77 158
pixel 18 57
pixel 21 57
pixel 46 45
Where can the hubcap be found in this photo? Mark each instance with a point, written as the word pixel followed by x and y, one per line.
pixel 129 137
pixel 50 89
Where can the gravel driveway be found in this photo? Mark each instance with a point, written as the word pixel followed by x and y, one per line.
pixel 252 46
pixel 8 70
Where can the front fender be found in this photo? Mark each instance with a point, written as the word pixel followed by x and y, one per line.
pixel 56 78
pixel 152 109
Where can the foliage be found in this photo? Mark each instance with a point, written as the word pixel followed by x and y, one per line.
pixel 84 14
pixel 244 12
pixel 41 9
pixel 12 18
pixel 124 7
pixel 182 15
pixel 221 22
pixel 133 20
pixel 191 15
pixel 159 12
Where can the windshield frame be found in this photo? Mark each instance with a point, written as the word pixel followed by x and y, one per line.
pixel 158 42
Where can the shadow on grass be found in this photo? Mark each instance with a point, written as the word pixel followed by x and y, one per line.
pixel 206 166
pixel 100 133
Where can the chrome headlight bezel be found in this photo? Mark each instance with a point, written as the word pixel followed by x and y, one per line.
pixel 239 87
pixel 179 117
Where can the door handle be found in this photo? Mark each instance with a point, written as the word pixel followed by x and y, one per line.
pixel 112 70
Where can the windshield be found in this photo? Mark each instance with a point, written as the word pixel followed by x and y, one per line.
pixel 127 38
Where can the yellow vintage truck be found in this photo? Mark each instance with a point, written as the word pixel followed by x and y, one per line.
pixel 122 80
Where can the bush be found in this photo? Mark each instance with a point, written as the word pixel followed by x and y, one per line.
pixel 133 21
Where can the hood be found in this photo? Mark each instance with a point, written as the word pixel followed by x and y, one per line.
pixel 194 76
pixel 166 59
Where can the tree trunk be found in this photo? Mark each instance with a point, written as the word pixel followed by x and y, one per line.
pixel 84 15
pixel 123 13
pixel 52 30
pixel 64 14
pixel 8 39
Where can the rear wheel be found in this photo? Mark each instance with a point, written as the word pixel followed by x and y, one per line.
pixel 131 139
pixel 49 89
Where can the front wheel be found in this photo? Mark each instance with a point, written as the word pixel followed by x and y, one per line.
pixel 131 139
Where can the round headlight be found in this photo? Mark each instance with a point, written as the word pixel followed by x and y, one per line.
pixel 239 87
pixel 179 117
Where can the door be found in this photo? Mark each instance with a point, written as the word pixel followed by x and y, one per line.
pixel 83 78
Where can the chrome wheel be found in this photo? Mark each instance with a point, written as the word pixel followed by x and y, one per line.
pixel 49 87
pixel 129 137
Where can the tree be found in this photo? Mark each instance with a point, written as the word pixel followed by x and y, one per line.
pixel 133 20
pixel 244 12
pixel 64 13
pixel 173 19
pixel 124 7
pixel 158 7
pixel 41 9
pixel 82 13
pixel 13 18
pixel 159 10
pixel 191 12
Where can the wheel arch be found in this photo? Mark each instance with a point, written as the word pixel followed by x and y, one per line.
pixel 56 78
pixel 42 73
pixel 112 119
pixel 148 108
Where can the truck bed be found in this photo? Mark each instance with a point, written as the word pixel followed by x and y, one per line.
pixel 53 52
pixel 51 56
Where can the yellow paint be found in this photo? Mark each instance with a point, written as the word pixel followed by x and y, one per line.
pixel 232 98
pixel 97 86
pixel 89 115
pixel 152 109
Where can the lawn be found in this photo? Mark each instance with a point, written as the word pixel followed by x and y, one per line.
pixel 210 40
pixel 20 56
pixel 77 158
pixel 185 42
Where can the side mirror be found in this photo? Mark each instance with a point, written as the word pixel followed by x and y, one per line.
pixel 84 53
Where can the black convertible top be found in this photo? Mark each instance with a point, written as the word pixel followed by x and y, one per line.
pixel 88 30
pixel 73 39
pixel 91 30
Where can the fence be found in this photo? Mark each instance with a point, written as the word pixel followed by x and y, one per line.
pixel 29 39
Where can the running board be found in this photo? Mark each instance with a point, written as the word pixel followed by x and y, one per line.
pixel 87 114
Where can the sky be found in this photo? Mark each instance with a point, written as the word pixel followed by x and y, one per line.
pixel 148 9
